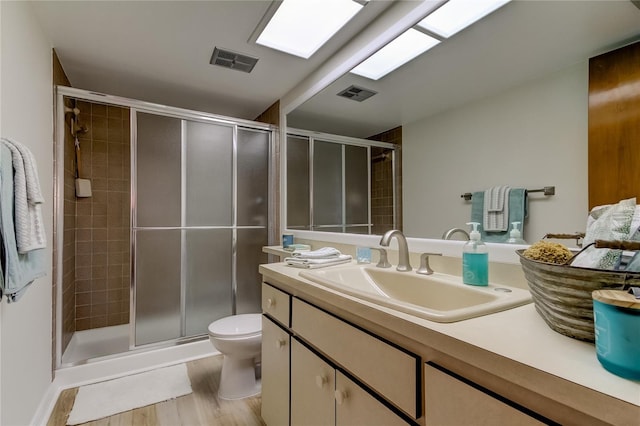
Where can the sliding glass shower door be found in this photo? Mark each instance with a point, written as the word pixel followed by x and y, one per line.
pixel 200 220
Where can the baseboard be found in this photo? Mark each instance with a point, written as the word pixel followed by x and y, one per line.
pixel 45 408
pixel 128 364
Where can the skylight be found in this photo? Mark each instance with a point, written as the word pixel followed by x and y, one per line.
pixel 456 15
pixel 404 48
pixel 300 28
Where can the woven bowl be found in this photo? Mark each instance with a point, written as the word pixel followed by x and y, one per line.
pixel 562 293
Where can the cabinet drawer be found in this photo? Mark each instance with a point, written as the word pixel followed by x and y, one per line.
pixel 390 371
pixel 277 304
pixel 450 401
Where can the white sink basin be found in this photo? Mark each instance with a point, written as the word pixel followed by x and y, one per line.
pixel 437 297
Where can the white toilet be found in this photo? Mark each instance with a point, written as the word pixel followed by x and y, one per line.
pixel 239 339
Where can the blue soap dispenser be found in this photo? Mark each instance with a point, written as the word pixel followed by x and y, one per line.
pixel 475 259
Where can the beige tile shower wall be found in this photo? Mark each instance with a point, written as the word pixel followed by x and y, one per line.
pixel 382 184
pixel 102 221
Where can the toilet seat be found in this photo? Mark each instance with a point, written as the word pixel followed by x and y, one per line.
pixel 237 326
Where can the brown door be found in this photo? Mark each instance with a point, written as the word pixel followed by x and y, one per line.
pixel 614 126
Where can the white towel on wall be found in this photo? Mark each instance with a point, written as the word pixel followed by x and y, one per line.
pixel 496 209
pixel 29 223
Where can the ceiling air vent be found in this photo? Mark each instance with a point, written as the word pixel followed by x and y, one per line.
pixel 356 93
pixel 233 60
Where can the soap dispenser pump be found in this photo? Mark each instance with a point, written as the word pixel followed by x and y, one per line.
pixel 515 236
pixel 475 259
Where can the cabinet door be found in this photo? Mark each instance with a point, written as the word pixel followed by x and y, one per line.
pixel 355 406
pixel 312 388
pixel 450 401
pixel 275 374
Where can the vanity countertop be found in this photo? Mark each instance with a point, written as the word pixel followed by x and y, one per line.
pixel 518 334
pixel 276 251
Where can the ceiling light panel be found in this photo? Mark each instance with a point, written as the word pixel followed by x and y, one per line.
pixel 301 27
pixel 455 15
pixel 404 48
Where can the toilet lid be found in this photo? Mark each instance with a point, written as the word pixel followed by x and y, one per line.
pixel 237 326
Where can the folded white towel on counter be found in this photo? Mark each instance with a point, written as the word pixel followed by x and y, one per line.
pixel 496 209
pixel 297 262
pixel 323 253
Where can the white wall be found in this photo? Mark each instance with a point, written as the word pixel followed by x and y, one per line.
pixel 530 136
pixel 27 116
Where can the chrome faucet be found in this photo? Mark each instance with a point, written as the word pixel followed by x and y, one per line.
pixel 447 235
pixel 403 248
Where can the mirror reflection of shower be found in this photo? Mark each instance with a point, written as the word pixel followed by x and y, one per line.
pixel 343 184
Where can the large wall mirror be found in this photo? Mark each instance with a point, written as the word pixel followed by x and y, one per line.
pixel 503 102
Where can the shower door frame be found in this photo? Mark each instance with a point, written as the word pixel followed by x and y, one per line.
pixel 146 107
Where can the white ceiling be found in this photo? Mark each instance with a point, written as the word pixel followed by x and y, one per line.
pixel 160 52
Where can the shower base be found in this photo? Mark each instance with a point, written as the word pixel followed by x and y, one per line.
pixel 97 342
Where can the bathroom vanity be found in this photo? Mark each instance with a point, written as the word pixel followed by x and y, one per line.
pixel 328 357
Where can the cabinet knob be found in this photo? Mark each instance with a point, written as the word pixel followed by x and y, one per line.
pixel 341 396
pixel 271 303
pixel 321 381
pixel 280 343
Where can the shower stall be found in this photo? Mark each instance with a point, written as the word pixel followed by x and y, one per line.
pixel 171 236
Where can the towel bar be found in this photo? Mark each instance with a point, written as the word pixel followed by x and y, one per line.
pixel 547 190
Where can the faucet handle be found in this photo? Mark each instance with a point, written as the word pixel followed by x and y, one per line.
pixel 383 262
pixel 424 268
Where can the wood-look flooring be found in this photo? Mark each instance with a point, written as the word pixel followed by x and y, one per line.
pixel 202 407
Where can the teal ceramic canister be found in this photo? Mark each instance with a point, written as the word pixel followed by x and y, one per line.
pixel 617 326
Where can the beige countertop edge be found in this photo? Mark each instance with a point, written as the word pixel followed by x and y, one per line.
pixel 517 336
